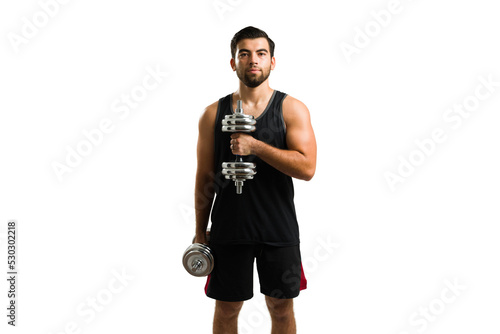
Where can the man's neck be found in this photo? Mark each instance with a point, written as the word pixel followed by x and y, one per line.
pixel 254 96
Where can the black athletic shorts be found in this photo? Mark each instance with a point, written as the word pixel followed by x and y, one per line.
pixel 279 268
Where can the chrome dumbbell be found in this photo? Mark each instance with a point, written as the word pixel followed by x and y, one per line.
pixel 198 259
pixel 238 170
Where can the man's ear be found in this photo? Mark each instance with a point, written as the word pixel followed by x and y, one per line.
pixel 233 64
pixel 273 63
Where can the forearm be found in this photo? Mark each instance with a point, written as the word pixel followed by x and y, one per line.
pixel 290 162
pixel 203 202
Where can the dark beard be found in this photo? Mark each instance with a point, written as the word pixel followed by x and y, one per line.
pixel 251 80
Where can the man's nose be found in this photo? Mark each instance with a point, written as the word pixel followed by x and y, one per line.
pixel 254 58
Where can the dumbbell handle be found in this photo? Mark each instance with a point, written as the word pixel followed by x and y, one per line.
pixel 239 110
pixel 239 183
pixel 239 107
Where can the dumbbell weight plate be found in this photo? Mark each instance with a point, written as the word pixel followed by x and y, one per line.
pixel 238 128
pixel 238 164
pixel 239 121
pixel 239 177
pixel 198 260
pixel 243 172
pixel 238 115
pixel 239 168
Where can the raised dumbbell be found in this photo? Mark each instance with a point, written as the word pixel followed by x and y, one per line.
pixel 198 259
pixel 238 170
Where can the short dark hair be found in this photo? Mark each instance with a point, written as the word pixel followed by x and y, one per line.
pixel 251 33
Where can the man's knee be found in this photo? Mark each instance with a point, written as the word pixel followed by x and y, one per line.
pixel 228 309
pixel 280 308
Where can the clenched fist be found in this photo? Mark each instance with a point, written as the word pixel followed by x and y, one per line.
pixel 242 144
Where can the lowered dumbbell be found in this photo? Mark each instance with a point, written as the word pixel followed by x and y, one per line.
pixel 238 170
pixel 198 259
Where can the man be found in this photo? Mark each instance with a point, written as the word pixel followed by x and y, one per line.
pixel 260 223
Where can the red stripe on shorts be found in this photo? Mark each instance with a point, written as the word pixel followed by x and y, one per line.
pixel 303 280
pixel 206 285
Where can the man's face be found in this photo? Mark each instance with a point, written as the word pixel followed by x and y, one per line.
pixel 253 62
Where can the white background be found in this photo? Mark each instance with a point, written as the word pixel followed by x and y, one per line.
pixel 128 205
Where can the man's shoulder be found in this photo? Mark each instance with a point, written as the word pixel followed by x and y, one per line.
pixel 207 118
pixel 212 107
pixel 292 106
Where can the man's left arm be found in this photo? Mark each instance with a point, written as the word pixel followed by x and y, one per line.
pixel 299 160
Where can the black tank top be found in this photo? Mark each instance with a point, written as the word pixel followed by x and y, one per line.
pixel 264 212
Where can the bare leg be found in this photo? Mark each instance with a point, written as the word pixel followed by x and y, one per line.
pixel 282 316
pixel 226 317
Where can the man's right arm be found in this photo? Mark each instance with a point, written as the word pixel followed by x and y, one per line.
pixel 204 185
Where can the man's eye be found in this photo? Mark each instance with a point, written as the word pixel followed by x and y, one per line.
pixel 243 54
